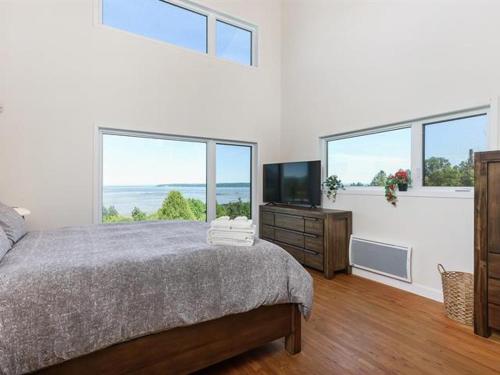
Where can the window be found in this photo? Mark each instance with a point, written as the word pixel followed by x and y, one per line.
pixel 437 150
pixel 367 159
pixel 152 177
pixel 184 24
pixel 449 148
pixel 234 43
pixel 234 174
pixel 158 20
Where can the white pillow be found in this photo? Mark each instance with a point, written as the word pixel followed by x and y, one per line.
pixel 12 223
pixel 5 244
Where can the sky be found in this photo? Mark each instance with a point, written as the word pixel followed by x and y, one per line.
pixel 169 23
pixel 129 161
pixel 359 159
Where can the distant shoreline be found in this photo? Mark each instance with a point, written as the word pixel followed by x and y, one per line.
pixel 223 184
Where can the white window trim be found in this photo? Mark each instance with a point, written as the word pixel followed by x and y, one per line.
pixel 417 189
pixel 212 16
pixel 211 173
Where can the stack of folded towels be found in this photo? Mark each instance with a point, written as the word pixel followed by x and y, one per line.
pixel 237 232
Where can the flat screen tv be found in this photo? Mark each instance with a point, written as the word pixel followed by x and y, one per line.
pixel 296 183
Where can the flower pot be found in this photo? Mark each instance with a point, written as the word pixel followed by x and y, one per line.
pixel 403 187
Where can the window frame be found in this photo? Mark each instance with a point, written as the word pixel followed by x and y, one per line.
pixel 418 189
pixel 212 17
pixel 241 27
pixel 211 162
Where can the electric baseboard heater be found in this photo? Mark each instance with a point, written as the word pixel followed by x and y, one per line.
pixel 382 258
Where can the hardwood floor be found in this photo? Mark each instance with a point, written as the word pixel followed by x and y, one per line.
pixel 362 327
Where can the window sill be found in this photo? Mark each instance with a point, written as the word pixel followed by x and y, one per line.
pixel 458 193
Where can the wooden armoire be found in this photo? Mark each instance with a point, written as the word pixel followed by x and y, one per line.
pixel 487 243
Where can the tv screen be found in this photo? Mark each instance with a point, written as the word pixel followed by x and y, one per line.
pixel 293 183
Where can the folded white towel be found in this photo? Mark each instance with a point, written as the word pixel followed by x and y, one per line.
pixel 241 218
pixel 240 237
pixel 223 242
pixel 241 222
pixel 234 232
pixel 222 222
pixel 214 233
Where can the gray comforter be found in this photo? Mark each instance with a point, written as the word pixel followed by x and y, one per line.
pixel 68 292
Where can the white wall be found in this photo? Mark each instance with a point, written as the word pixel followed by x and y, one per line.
pixel 61 76
pixel 354 64
pixel 343 65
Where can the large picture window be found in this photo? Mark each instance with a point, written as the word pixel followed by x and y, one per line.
pixel 147 178
pixel 438 151
pixel 184 24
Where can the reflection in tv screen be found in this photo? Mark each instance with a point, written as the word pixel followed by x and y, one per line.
pixel 295 186
pixel 272 183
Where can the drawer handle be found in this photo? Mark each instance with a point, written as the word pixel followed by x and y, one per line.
pixel 310 252
pixel 290 215
pixel 311 218
pixel 310 235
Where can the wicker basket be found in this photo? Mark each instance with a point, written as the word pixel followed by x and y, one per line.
pixel 458 292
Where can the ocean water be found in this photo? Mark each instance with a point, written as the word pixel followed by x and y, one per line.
pixel 150 198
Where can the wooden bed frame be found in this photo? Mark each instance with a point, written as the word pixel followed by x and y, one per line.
pixel 187 349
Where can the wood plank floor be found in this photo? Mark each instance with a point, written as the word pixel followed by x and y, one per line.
pixel 362 327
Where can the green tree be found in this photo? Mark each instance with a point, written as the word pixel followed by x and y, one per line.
pixel 466 170
pixel 111 211
pixel 116 219
pixel 440 172
pixel 198 208
pixel 175 207
pixel 233 209
pixel 379 179
pixel 111 215
pixel 138 215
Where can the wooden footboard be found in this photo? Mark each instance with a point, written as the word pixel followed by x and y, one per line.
pixel 191 348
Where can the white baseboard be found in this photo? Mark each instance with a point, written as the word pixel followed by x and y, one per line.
pixel 421 290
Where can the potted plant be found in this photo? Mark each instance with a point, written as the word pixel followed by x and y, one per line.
pixel 400 181
pixel 390 190
pixel 331 186
pixel 403 179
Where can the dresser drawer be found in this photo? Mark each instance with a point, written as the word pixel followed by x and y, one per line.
pixel 296 253
pixel 313 260
pixel 494 316
pixel 267 232
pixel 291 238
pixel 494 291
pixel 289 222
pixel 494 265
pixel 268 218
pixel 313 225
pixel 314 243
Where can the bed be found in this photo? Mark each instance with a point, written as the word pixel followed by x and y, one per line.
pixel 143 297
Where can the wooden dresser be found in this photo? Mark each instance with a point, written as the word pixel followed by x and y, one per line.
pixel 487 243
pixel 316 237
